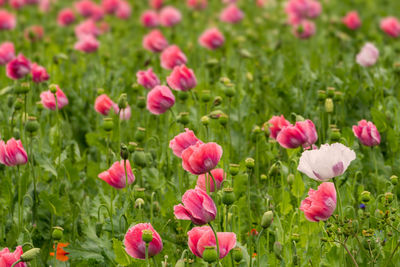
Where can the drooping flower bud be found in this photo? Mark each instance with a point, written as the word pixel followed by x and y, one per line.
pixel 267 219
pixel 30 255
pixel 122 101
pixel 365 196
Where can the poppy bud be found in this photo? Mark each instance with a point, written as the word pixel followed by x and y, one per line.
pixel 147 236
pixel 217 101
pixel 141 102
pixel 108 124
pixel 321 95
pixel 394 179
pixel 135 87
pixel 183 118
pixel 330 92
pixel 223 119
pixel 278 250
pixel 205 120
pixel 365 196
pixel 18 104
pixel 249 162
pixel 180 263
pixel 228 196
pixel 30 254
pixel 205 96
pixel 234 169
pixel 183 95
pixel 256 129
pixel 215 114
pixel 295 237
pixel 140 134
pixel 139 157
pixel 290 178
pixel 122 102
pixel 225 80
pixel 39 105
pixel 267 219
pixel 57 233
pixel 329 105
pixel 263 177
pixel 210 254
pixel 124 152
pixel 53 88
pixel 132 147
pixel 249 76
pixel 31 125
pixel 237 254
pixel 23 88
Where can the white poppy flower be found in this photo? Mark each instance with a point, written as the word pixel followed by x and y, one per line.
pixel 326 162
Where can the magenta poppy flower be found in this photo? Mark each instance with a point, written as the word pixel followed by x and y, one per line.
pixel 276 124
pixel 169 16
pixel 12 153
pixel 149 19
pixel 231 14
pixel 304 30
pixel 160 99
pixel 197 207
pixel 154 41
pixel 7 52
pixel 219 177
pixel 201 158
pixel 135 246
pixel 367 133
pixel 201 237
pixel 110 6
pixel 66 17
pixel 156 4
pixel 7 258
pixel 391 26
pixel 147 78
pixel 103 104
pixel 171 57
pixel 49 100
pixel 211 39
pixel 115 175
pixel 197 4
pixel 124 10
pixel 87 44
pixel 182 79
pixel 320 204
pixel 7 20
pixel 18 68
pixel 352 20
pixel 39 73
pixel 303 133
pixel 84 7
pixel 183 141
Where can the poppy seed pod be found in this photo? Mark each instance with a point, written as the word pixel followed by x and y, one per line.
pixel 205 96
pixel 140 134
pixel 394 179
pixel 140 192
pixel 321 95
pixel 122 102
pixel 139 157
pixel 237 254
pixel 31 125
pixel 141 102
pixel 30 254
pixel 330 92
pixel 57 233
pixel 223 119
pixel 365 196
pixel 18 104
pixel 250 163
pixel 132 147
pixel 147 236
pixel 108 124
pixel 228 196
pixel 229 91
pixel 329 106
pixel 335 135
pixel 210 254
pixel 182 95
pixel 267 219
pixel 234 169
pixel 124 152
pixel 183 118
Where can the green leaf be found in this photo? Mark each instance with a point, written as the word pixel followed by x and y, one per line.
pixel 298 186
pixel 120 254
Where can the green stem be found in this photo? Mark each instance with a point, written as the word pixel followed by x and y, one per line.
pixel 258 246
pixel 335 181
pixel 147 254
pixel 55 253
pixel 216 239
pixel 15 263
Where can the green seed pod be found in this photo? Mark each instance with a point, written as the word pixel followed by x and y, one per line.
pixel 290 178
pixel 23 88
pixel 183 118
pixel 249 163
pixel 135 87
pixel 140 192
pixel 223 119
pixel 365 196
pixel 263 177
pixel 205 96
pixel 139 157
pixel 225 80
pixel 39 105
pixel 335 135
pixel 215 114
pixel 124 152
pixel 31 125
pixel 108 124
pixel 256 129
pixel 18 104
pixel 237 254
pixel 147 236
pixel 132 147
pixel 205 120
pixel 210 254
pixel 321 95
pixel 139 203
pixel 122 101
pixel 182 95
pixel 295 237
pixel 388 197
pixel 228 196
pixel 330 91
pixel 217 101
pixel 329 106
pixel 338 96
pixel 140 134
pixel 57 233
pixel 229 91
pixel 141 102
pixel 267 219
pixel 53 88
pixel 10 100
pixel 394 179
pixel 234 169
pixel 30 255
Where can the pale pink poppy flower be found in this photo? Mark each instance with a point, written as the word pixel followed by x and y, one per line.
pixel 124 10
pixel 229 1
pixel 155 41
pixel 201 237
pixel 136 247
pixel 276 124
pixel 125 113
pixel 97 13
pixel 303 9
pixel 182 79
pixel 352 20
pixel 231 14
pixel 327 162
pixel 84 7
pixel 39 73
pixel 44 6
pixel 303 133
pixel 156 4
pixel 7 20
pixel 87 27
pixel 103 104
pixel 320 204
pixel 34 33
pixel 149 19
pixel 7 258
pixel 17 4
pixel 391 26
pixel 197 4
pixel 197 207
pixel 87 44
pixel 201 157
pixel 115 175
pixel 368 55
pixel 18 67
pixel 367 133
pixel 160 99
pixel 7 52
pixel 169 16
pixel 182 141
pixel 12 153
pixel 211 39
pixel 66 17
pixel 49 100
pixel 147 78
pixel 219 177
pixel 171 57
pixel 304 30
pixel 110 6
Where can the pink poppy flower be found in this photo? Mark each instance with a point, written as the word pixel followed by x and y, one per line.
pixel 39 73
pixel 124 10
pixel 87 44
pixel 182 79
pixel 197 4
pixel 7 52
pixel 103 104
pixel 391 26
pixel 197 207
pixel 7 20
pixel 320 204
pixel 171 57
pixel 17 4
pixel 211 39
pixel 66 17
pixel 169 16
pixel 84 7
pixel 18 67
pixel 352 20
pixel 160 99
pixel 115 175
pixel 34 33
pixel 125 113
pixel 87 27
pixel 135 246
pixel 49 100
pixel 149 19
pixel 201 158
pixel 97 13
pixel 303 133
pixel 7 258
pixel 110 6
pixel 304 30
pixel 367 133
pixel 147 78
pixel 231 14
pixel 182 141
pixel 219 177
pixel 155 41
pixel 368 55
pixel 276 124
pixel 12 153
pixel 156 4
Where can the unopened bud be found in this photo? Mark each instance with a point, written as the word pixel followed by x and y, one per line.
pixel 394 179
pixel 122 101
pixel 267 219
pixel 278 250
pixel 124 152
pixel 31 125
pixel 365 196
pixel 329 105
pixel 30 255
pixel 205 120
pixel 53 88
pixel 217 101
pixel 205 96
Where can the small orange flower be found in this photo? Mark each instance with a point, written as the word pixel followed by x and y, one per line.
pixel 61 253
pixel 253 232
pixel 254 255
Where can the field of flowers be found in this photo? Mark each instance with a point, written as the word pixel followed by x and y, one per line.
pixel 199 133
